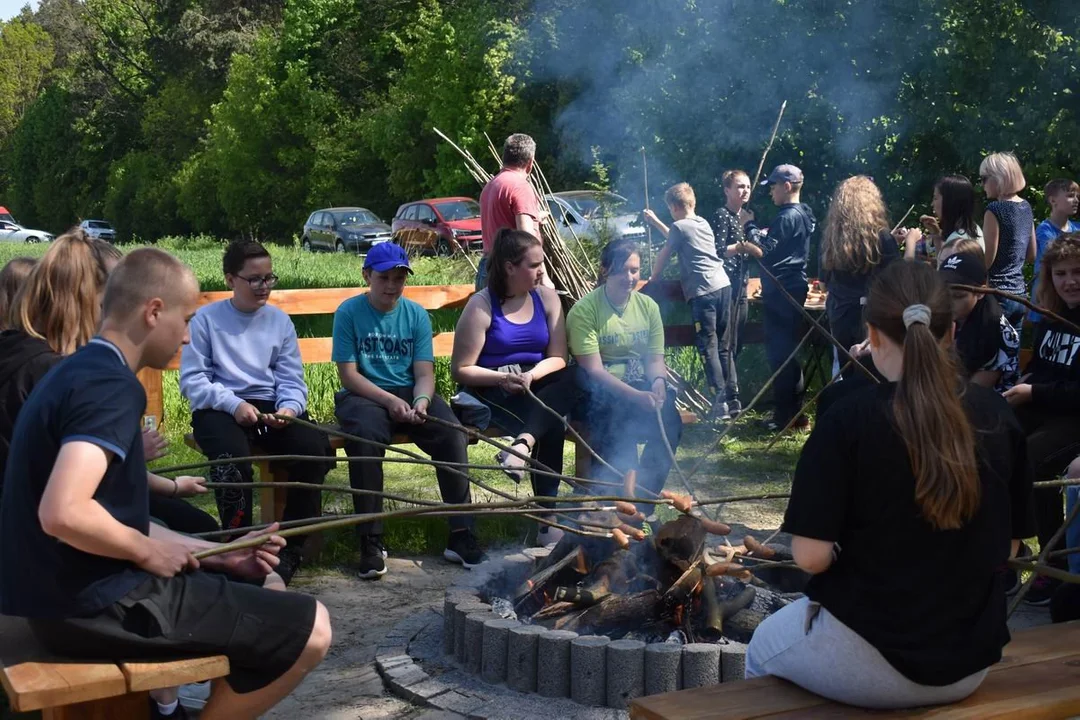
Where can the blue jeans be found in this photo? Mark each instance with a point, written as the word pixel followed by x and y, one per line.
pixel 711 315
pixel 481 274
pixel 1072 535
pixel 783 322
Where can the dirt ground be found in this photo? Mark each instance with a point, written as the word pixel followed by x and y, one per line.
pixel 362 612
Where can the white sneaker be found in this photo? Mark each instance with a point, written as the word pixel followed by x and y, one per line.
pixel 548 535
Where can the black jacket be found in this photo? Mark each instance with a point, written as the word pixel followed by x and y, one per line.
pixel 1054 370
pixel 23 362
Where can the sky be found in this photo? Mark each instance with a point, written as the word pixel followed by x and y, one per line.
pixel 11 8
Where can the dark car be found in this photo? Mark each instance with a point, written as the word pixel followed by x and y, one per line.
pixel 344 229
pixel 440 225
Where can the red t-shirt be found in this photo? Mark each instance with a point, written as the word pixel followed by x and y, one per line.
pixel 502 200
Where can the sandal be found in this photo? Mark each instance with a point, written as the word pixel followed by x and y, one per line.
pixel 513 466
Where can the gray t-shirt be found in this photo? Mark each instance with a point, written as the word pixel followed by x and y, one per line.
pixel 700 270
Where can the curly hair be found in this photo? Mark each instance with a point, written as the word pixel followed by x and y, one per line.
pixel 853 227
pixel 1065 247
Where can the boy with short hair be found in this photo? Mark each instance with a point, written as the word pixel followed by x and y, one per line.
pixel 735 247
pixel 786 246
pixel 1063 196
pixel 705 286
pixel 384 356
pixel 242 366
pixel 79 557
pixel 986 342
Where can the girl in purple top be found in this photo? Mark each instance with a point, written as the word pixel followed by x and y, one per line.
pixel 512 337
pixel 1008 230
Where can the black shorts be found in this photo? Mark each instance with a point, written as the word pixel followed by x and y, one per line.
pixel 261 631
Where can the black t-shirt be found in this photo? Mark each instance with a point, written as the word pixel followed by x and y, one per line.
pixel 92 396
pixel 987 341
pixel 1054 368
pixel 846 287
pixel 932 602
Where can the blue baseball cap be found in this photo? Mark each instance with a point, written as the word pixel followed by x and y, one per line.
pixel 387 256
pixel 783 173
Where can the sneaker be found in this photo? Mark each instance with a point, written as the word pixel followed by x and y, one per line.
pixel 1012 578
pixel 801 424
pixel 180 713
pixel 719 411
pixel 371 565
pixel 463 548
pixel 193 696
pixel 734 408
pixel 377 541
pixel 289 563
pixel 548 535
pixel 1041 591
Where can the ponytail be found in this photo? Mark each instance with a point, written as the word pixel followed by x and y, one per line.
pixel 910 304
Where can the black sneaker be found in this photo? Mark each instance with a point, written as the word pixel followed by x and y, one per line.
pixel 719 410
pixel 289 563
pixel 371 565
pixel 463 548
pixel 1041 591
pixel 180 713
pixel 377 541
pixel 1012 578
pixel 734 408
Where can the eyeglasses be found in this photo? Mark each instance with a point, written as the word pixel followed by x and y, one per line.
pixel 258 281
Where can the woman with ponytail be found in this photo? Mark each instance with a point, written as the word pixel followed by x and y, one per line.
pixel 922 466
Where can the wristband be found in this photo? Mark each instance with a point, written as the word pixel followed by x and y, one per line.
pixel 175 487
pixel 418 398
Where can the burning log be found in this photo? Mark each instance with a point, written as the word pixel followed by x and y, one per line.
pixel 613 612
pixel 535 585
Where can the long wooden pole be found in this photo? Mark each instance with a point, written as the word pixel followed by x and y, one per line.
pixel 761 164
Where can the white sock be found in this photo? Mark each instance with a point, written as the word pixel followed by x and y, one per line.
pixel 168 709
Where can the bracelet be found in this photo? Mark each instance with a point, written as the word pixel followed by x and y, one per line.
pixel 653 381
pixel 418 398
pixel 175 487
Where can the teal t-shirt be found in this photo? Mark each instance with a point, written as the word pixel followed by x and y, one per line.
pixel 383 345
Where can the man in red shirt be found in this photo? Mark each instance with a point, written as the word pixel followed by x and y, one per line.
pixel 508 200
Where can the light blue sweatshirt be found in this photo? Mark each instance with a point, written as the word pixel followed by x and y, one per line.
pixel 236 356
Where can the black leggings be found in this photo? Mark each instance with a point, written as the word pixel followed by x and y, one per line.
pixel 518 413
pixel 1053 443
pixel 180 515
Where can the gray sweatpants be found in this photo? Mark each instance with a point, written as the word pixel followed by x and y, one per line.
pixel 805 644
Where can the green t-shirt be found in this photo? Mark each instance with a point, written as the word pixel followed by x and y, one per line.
pixel 383 345
pixel 623 341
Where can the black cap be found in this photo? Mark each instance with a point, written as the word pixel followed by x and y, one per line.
pixel 963 269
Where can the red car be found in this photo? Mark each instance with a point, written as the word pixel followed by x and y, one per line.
pixel 440 225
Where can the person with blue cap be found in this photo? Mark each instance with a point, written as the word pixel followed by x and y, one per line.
pixel 786 244
pixel 383 349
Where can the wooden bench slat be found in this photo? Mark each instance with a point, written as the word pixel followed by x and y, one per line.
pixel 37 685
pixel 154 675
pixel 743 700
pixel 324 301
pixel 1047 642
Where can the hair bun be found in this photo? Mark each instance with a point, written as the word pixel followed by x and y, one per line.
pixel 916 314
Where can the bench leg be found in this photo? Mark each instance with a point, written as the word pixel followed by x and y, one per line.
pixel 133 706
pixel 271 500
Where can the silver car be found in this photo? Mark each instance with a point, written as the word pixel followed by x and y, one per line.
pixel 595 215
pixel 99 229
pixel 10 232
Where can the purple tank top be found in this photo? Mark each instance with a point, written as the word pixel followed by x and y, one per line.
pixel 508 343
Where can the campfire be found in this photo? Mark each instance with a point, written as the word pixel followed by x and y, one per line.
pixel 667 586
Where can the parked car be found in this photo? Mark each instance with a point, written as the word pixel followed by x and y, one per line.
pixel 99 229
pixel 344 229
pixel 12 232
pixel 439 225
pixel 595 215
pixel 5 214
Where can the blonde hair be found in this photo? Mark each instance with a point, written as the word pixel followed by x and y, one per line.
pixel 728 178
pixel 12 278
pixel 1005 170
pixel 853 227
pixel 681 196
pixel 60 302
pixel 1065 247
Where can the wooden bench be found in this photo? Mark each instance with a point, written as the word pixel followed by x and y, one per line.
pixel 1038 677
pixel 63 689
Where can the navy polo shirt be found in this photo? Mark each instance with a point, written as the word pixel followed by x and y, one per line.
pixel 90 396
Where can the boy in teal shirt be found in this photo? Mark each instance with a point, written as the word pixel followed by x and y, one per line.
pixel 382 347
